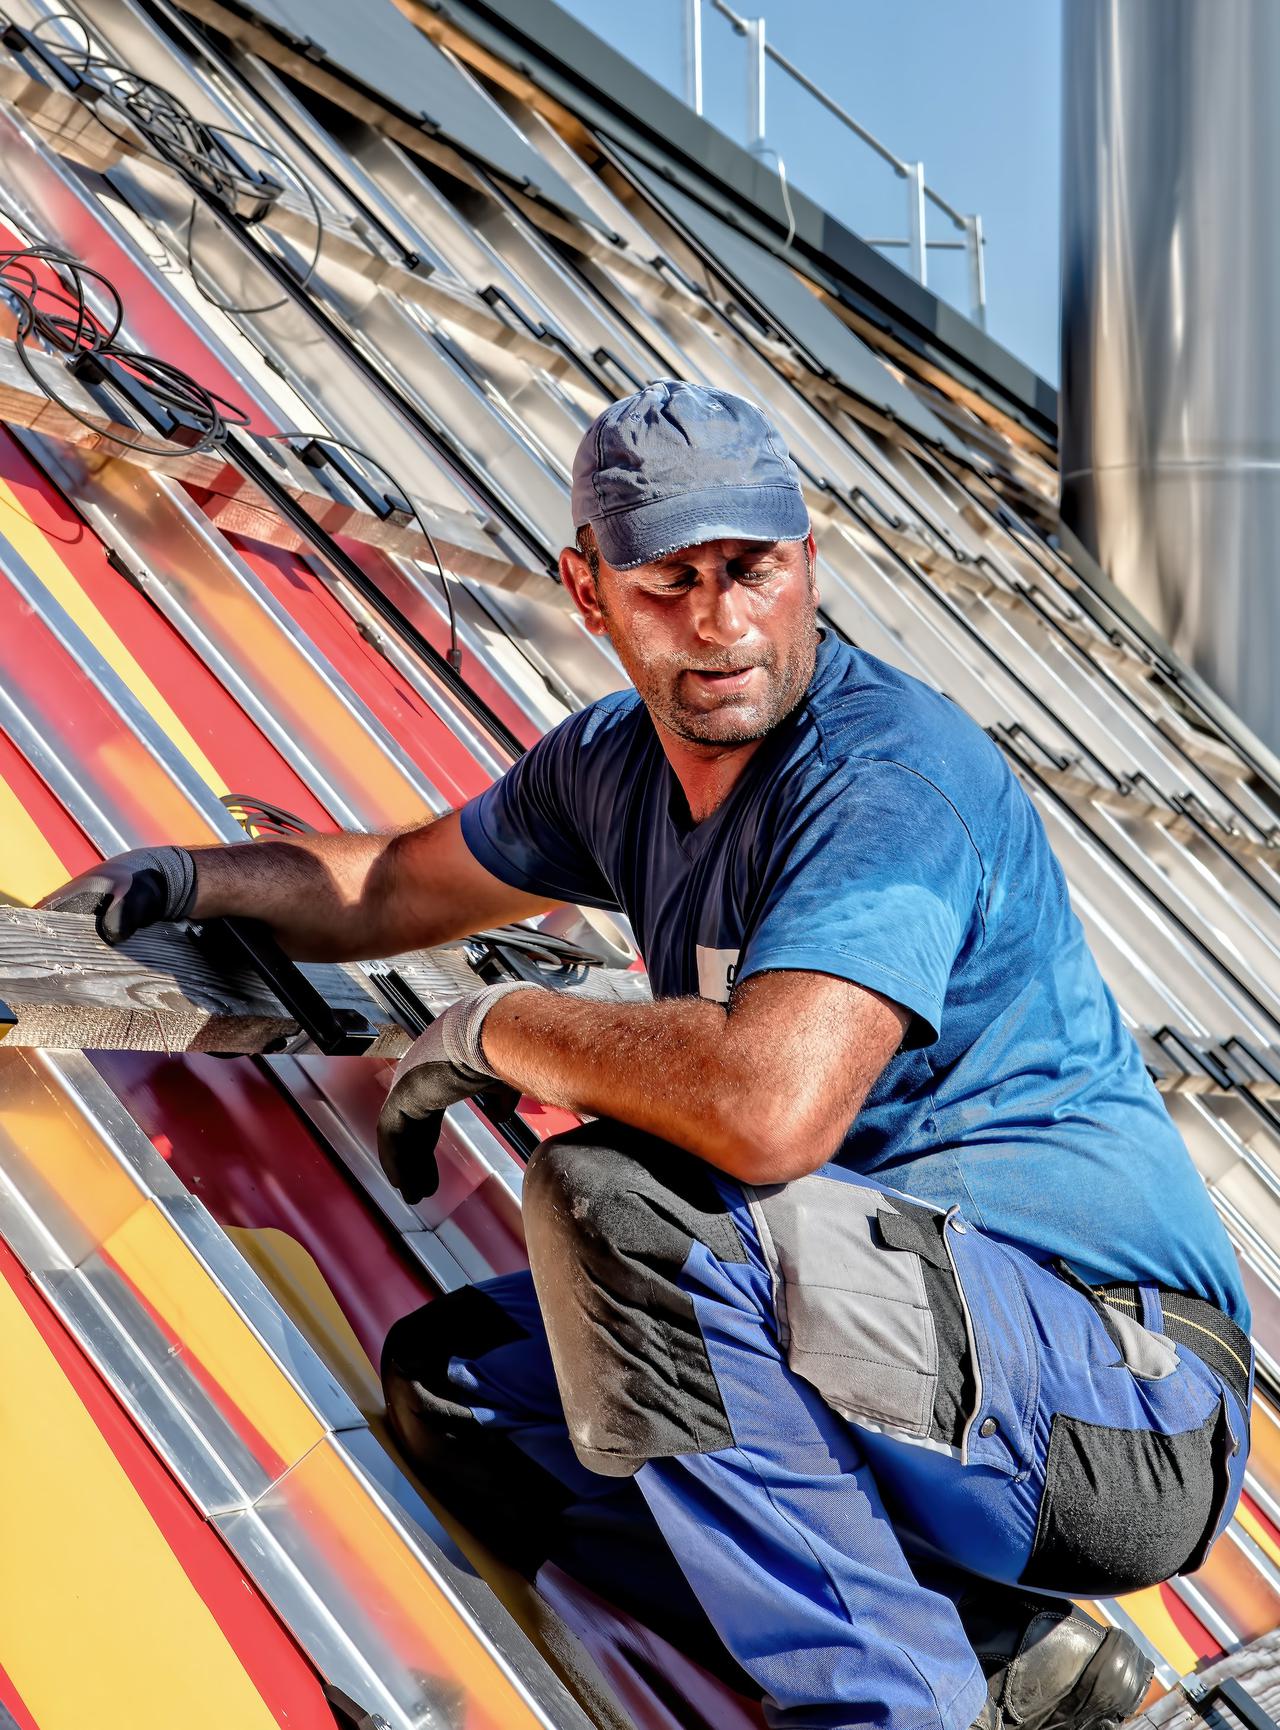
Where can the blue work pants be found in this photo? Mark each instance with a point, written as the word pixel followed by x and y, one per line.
pixel 836 1407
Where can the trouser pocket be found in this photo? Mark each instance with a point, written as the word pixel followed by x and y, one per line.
pixel 866 1303
pixel 1123 1509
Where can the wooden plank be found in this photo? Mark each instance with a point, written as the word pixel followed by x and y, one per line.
pixel 62 988
pixel 70 991
pixel 62 119
pixel 1256 1668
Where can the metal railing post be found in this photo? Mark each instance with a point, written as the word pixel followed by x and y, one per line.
pixel 917 243
pixel 916 221
pixel 977 269
pixel 693 54
pixel 755 84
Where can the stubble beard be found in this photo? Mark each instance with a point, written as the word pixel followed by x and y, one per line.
pixel 730 723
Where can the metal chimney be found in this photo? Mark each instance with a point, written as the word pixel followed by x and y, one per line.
pixel 1170 436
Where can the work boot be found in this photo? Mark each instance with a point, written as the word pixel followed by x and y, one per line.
pixel 1049 1666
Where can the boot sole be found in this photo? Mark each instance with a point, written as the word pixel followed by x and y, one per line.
pixel 1111 1687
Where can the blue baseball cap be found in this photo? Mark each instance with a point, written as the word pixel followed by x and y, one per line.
pixel 678 464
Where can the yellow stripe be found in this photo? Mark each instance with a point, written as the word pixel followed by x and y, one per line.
pixel 101 1624
pixel 1151 1614
pixel 96 1193
pixel 29 867
pixel 214 1339
pixel 41 554
pixel 290 1272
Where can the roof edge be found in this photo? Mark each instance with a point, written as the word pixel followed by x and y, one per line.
pixel 543 42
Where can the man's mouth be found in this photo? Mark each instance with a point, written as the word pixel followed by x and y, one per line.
pixel 730 679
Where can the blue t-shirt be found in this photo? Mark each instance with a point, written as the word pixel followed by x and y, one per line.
pixel 877 834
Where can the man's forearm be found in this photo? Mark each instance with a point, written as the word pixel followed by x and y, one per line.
pixel 661 1067
pixel 325 897
pixel 351 897
pixel 765 1089
pixel 685 1070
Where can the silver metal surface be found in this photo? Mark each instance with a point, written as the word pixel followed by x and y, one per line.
pixel 916 232
pixel 342 1547
pixel 1170 357
pixel 383 1622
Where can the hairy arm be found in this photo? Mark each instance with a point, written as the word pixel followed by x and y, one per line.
pixel 765 1089
pixel 351 897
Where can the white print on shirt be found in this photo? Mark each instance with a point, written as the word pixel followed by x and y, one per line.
pixel 717 970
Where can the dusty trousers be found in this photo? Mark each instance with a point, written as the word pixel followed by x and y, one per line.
pixel 810 1414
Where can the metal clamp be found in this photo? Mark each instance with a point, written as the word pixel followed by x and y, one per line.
pixel 1205 1696
pixel 231 943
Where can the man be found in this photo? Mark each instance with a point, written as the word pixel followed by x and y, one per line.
pixel 878 1282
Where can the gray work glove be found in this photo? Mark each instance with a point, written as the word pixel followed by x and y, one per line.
pixel 131 890
pixel 442 1067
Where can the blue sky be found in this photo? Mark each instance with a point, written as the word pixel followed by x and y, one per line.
pixel 968 86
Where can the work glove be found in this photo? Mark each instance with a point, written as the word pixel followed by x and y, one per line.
pixel 131 890
pixel 442 1067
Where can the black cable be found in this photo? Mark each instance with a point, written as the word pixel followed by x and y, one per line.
pixel 268 819
pixel 245 455
pixel 303 277
pixel 43 311
pixel 195 148
pixel 455 650
pixel 60 316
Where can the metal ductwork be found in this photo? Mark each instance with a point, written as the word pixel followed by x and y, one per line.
pixel 1170 439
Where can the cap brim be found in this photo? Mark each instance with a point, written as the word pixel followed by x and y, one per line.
pixel 651 531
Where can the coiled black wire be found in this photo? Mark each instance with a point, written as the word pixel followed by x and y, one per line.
pixel 57 313
pixel 197 149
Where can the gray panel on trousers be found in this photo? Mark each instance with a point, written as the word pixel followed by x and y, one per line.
pixel 826 339
pixel 853 1314
pixel 376 44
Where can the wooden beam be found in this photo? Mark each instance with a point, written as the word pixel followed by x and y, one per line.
pixel 447 34
pixel 61 118
pixel 67 990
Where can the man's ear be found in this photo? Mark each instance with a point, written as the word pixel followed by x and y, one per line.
pixel 575 574
pixel 811 553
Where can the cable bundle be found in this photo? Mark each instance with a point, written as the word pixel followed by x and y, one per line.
pixel 46 287
pixel 199 150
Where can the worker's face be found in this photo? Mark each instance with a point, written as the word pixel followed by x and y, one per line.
pixel 718 639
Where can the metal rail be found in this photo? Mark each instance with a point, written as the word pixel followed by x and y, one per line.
pixel 919 194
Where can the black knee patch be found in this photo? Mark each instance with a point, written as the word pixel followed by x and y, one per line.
pixel 625 1187
pixel 415 1355
pixel 611 1216
pixel 501 1495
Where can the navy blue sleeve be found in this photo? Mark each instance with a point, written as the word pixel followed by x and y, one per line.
pixel 532 828
pixel 874 878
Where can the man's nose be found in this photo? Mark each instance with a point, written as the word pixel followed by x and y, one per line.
pixel 718 613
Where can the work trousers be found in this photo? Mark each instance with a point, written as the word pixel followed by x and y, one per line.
pixel 806 1417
